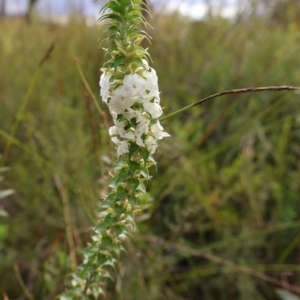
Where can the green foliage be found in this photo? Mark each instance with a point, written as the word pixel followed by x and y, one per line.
pixel 124 37
pixel 116 218
pixel 227 182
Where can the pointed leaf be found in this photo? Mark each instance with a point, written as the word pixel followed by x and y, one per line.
pixel 114 181
pixel 108 202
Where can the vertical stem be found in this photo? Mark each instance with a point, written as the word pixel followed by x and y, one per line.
pixel 24 103
pixel 22 284
pixel 68 220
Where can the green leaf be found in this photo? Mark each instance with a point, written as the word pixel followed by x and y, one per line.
pixel 132 200
pixel 109 200
pixel 132 149
pixel 113 37
pixel 119 210
pixel 115 7
pixel 145 155
pixel 134 184
pixel 133 166
pixel 121 193
pixel 138 62
pixel 114 181
pixel 114 27
pixel 112 79
pixel 145 173
pixel 106 241
pixel 107 222
pixel 142 188
pixel 112 16
pixel 122 159
pixel 101 259
pixel 123 174
pixel 119 230
pixel 118 60
pixel 111 49
pixel 143 199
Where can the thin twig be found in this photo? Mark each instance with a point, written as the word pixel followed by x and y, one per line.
pixel 88 88
pixel 249 90
pixel 21 282
pixel 231 92
pixel 25 102
pixel 68 220
pixel 224 262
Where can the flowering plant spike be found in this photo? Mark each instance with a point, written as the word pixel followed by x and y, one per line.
pixel 129 87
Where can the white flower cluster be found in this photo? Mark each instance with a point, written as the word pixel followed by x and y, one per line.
pixel 135 108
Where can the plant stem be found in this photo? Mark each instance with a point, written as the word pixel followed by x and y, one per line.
pixel 221 261
pixel 21 282
pixel 68 219
pixel 230 92
pixel 89 90
pixel 25 102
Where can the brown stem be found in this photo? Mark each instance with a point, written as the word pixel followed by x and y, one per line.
pixel 224 262
pixel 249 90
pixel 230 92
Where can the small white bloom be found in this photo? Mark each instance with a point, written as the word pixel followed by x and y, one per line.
pixel 158 131
pixel 118 128
pixel 151 144
pixel 115 140
pixel 153 108
pixel 135 88
pixel 151 76
pixel 122 99
pixel 104 84
pixel 134 84
pixel 123 147
pixel 113 130
pixel 139 141
pixel 131 114
pixel 130 135
pixel 142 127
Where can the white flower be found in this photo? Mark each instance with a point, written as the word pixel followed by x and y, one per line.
pixel 122 99
pixel 135 85
pixel 104 84
pixel 142 127
pixel 158 131
pixel 151 144
pixel 153 108
pixel 133 114
pixel 139 141
pixel 118 128
pixel 123 147
pixel 151 77
pixel 130 135
pixel 135 89
pixel 151 86
pixel 118 132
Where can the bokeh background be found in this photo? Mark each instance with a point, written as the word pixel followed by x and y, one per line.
pixel 224 220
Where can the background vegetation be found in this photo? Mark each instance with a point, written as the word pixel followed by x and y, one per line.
pixel 225 218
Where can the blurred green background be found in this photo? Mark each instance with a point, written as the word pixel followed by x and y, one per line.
pixel 225 217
